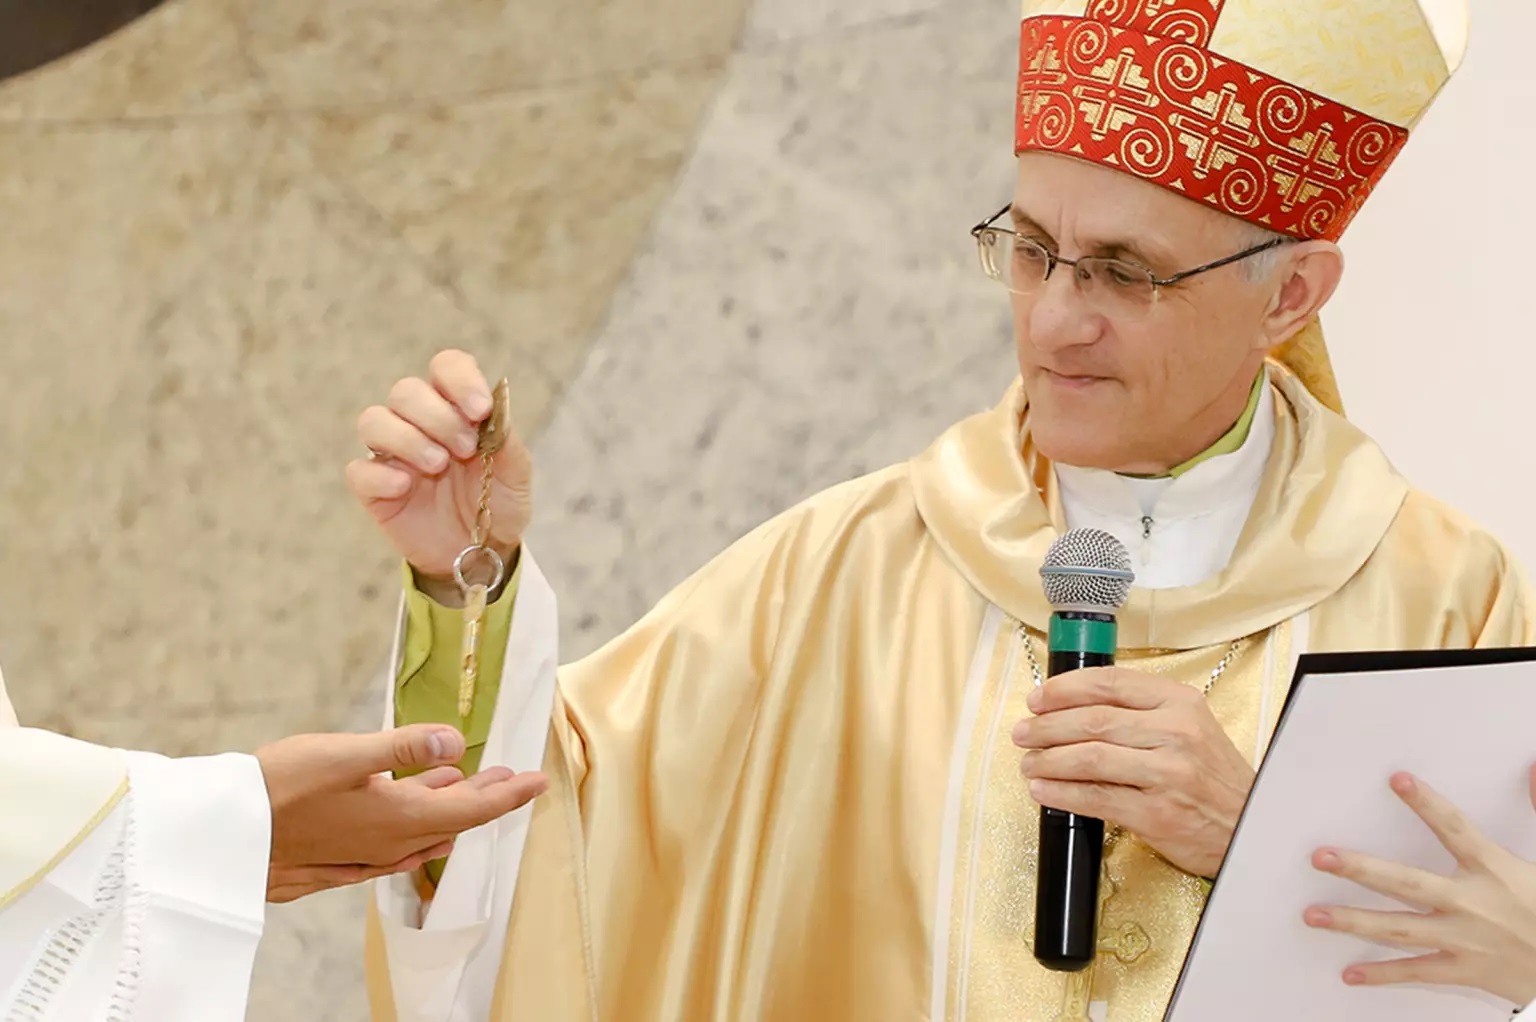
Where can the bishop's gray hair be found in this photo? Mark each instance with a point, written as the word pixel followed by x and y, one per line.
pixel 1259 267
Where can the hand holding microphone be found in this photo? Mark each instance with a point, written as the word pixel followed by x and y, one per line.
pixel 1109 744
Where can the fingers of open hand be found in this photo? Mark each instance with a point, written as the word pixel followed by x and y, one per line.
pixel 1439 968
pixel 1399 929
pixel 1471 847
pixel 1406 884
pixel 386 433
pixel 477 801
pixel 299 882
pixel 490 776
pixel 334 766
pixel 389 820
pixel 441 850
pixel 437 777
pixel 295 768
pixel 456 375
pixel 291 883
pixel 423 406
pixel 282 894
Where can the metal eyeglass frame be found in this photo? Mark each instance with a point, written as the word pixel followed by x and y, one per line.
pixel 1053 260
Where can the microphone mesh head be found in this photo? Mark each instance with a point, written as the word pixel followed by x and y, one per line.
pixel 1087 569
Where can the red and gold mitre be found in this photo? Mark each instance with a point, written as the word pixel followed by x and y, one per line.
pixel 1282 113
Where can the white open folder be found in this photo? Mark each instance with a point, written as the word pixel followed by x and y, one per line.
pixel 1465 723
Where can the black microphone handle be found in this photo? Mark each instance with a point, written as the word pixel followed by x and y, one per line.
pixel 1071 854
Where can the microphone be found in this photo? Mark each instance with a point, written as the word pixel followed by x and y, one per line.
pixel 1087 578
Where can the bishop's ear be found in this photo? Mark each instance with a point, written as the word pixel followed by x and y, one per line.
pixel 1304 281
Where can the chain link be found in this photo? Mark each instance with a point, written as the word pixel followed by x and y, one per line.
pixel 477 536
pixel 492 436
pixel 1216 672
pixel 1221 666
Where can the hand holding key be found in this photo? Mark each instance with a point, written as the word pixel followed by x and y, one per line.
pixel 424 480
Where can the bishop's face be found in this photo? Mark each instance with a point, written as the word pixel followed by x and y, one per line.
pixel 1120 375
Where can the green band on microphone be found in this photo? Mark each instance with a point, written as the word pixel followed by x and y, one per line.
pixel 1085 634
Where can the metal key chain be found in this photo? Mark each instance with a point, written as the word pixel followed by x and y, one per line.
pixel 478 561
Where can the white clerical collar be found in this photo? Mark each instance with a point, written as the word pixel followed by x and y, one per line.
pixel 1181 530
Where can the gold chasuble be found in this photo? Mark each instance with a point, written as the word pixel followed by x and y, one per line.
pixel 789 792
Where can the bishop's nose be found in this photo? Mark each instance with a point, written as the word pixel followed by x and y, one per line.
pixel 1057 316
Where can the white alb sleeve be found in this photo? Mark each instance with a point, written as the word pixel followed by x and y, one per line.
pixel 156 914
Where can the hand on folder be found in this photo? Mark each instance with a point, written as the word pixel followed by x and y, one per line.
pixel 1476 928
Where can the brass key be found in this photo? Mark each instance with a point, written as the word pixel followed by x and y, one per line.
pixel 474 615
pixel 494 430
pixel 492 437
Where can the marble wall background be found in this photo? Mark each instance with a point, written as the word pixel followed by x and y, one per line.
pixel 722 251
pixel 808 308
pixel 226 230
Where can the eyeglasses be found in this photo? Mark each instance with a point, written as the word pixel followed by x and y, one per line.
pixel 1115 287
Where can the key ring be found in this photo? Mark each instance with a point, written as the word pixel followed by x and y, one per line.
pixel 498 573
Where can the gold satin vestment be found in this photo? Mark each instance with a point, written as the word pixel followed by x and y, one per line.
pixel 789 791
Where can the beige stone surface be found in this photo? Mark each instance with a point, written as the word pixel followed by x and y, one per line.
pixel 527 207
pixel 200 305
pixel 227 229
pixel 836 319
pixel 310 966
pixel 776 22
pixel 361 51
pixel 197 315
pixel 183 58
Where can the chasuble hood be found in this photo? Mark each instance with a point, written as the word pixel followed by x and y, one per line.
pixel 1328 497
pixel 1282 113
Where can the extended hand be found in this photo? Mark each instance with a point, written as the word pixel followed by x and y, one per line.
pixel 422 485
pixel 338 818
pixel 1477 926
pixel 1140 751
